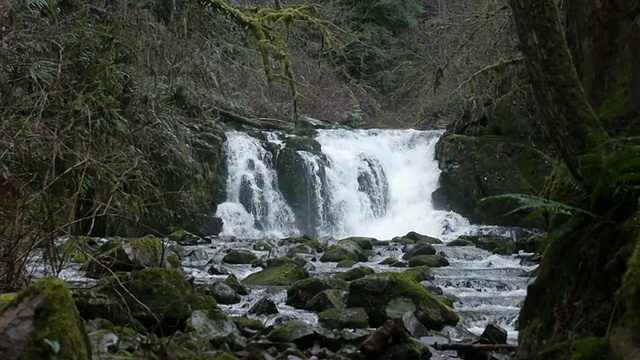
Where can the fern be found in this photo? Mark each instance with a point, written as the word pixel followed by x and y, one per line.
pixel 539 204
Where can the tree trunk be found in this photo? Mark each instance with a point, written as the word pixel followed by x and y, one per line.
pixel 566 116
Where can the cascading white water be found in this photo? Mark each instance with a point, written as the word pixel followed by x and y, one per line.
pixel 254 207
pixel 380 183
pixel 377 183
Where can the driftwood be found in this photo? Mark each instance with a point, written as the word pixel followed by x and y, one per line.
pixel 259 123
pixel 475 347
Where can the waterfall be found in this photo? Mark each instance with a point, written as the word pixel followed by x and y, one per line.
pixel 374 183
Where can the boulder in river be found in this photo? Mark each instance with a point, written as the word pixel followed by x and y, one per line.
pixel 302 291
pixel 428 260
pixel 277 276
pixel 356 273
pixel 418 249
pixel 239 257
pixel 352 318
pixel 326 299
pixel 264 306
pixel 375 292
pixel 496 244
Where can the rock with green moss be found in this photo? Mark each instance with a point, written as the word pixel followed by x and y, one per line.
pixel 277 276
pixel 345 264
pixel 41 322
pixel 286 260
pixel 239 257
pixel 422 239
pixel 477 167
pixel 337 253
pixel 235 284
pixel 292 332
pixel 144 299
pixel 460 242
pixel 356 273
pixel 352 318
pixel 302 291
pixel 264 306
pixel 428 260
pixel 118 340
pixel 365 243
pixel 6 299
pixel 303 240
pixel 211 326
pixel 244 323
pixel 418 249
pixel 120 255
pixel 326 299
pixel 389 261
pixel 419 273
pixel 184 237
pixel 375 292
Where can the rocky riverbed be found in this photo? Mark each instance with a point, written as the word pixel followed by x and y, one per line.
pixel 296 298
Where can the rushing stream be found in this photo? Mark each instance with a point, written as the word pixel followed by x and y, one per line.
pixel 374 183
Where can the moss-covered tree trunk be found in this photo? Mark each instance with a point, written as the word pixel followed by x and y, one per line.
pixel 604 40
pixel 566 116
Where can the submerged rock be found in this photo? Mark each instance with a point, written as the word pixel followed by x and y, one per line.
pixel 375 292
pixel 42 322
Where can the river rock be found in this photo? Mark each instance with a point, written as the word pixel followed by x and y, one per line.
pixel 389 261
pixel 431 287
pixel 302 291
pixel 232 282
pixel 493 334
pixel 356 273
pixel 118 339
pixel 413 325
pixel 337 253
pixel 422 239
pixel 326 299
pixel 277 276
pixel 264 306
pixel 120 255
pixel 428 260
pixel 263 246
pixel 418 249
pixel 211 326
pixel 42 320
pixel 353 318
pixel 302 240
pixel 374 293
pixel 460 242
pixel 365 243
pixel 239 257
pixel 186 238
pixel 293 332
pixel 286 260
pixel 148 296
pixel 224 294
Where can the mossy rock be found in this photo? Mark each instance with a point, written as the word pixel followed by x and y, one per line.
pixel 263 246
pixel 6 299
pixel 353 318
pixel 477 167
pixel 389 261
pixel 119 255
pixel 326 299
pixel 309 241
pixel 419 273
pixel 356 273
pixel 80 258
pixel 428 260
pixel 245 323
pixel 422 239
pixel 150 295
pixel 239 257
pixel 277 276
pixel 374 293
pixel 337 253
pixel 42 322
pixel 346 264
pixel 184 237
pixel 299 293
pixel 291 332
pixel 286 260
pixel 365 243
pixel 461 242
pixel 211 326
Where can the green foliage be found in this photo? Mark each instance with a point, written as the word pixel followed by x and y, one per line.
pixel 390 15
pixel 537 203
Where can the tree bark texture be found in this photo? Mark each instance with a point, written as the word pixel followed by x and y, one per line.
pixel 566 116
pixel 604 40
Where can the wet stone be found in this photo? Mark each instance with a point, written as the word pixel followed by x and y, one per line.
pixel 264 306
